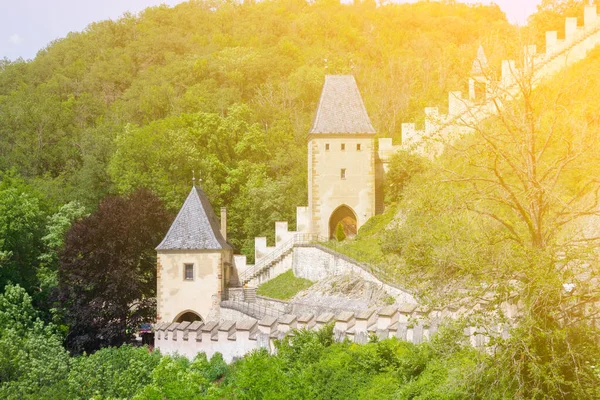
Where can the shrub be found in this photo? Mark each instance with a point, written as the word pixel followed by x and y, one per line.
pixel 339 232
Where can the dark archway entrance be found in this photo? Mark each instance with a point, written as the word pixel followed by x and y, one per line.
pixel 345 216
pixel 188 316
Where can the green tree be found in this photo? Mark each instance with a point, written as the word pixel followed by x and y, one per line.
pixel 339 232
pixel 511 222
pixel 22 215
pixel 32 358
pixel 113 248
pixel 403 166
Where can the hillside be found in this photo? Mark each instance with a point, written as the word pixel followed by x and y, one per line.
pixel 227 90
pixel 430 242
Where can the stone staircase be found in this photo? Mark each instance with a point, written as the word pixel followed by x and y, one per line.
pixel 250 294
pixel 260 271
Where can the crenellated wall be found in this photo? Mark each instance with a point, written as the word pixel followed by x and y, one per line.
pixel 233 339
pixel 464 112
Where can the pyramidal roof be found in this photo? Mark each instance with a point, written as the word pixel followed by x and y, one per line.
pixel 480 62
pixel 196 226
pixel 341 108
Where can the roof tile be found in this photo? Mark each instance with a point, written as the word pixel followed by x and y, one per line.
pixel 196 226
pixel 341 108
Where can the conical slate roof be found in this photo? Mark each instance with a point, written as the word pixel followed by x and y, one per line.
pixel 196 226
pixel 341 108
pixel 480 63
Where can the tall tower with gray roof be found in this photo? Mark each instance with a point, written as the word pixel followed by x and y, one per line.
pixel 341 160
pixel 194 263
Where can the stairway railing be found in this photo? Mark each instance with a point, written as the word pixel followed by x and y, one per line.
pixel 266 262
pixel 253 310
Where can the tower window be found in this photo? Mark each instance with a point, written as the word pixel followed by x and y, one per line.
pixel 188 272
pixel 343 146
pixel 358 147
pixel 343 173
pixel 327 146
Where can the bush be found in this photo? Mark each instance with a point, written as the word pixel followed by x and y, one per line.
pixel 339 232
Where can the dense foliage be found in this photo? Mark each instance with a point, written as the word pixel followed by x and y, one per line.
pixel 309 365
pixel 107 273
pixel 509 214
pixel 227 90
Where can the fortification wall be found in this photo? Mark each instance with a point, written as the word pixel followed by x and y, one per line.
pixel 279 305
pixel 234 339
pixel 465 112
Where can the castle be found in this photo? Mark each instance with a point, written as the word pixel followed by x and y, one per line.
pixel 201 283
pixel 196 265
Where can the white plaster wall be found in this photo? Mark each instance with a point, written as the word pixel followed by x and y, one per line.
pixel 231 349
pixel 315 264
pixel 234 344
pixel 327 191
pixel 175 294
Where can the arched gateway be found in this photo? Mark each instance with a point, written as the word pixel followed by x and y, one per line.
pixel 188 316
pixel 345 216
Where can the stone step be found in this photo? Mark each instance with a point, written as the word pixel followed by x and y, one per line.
pixel 250 295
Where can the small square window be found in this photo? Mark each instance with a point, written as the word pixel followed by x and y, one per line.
pixel 188 272
pixel 343 146
pixel 343 173
pixel 327 146
pixel 358 147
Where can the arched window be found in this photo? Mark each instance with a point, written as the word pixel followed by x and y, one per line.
pixel 343 215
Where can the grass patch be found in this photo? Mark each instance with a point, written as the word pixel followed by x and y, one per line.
pixel 284 287
pixel 365 246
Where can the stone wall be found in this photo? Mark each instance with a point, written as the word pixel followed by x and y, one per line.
pixel 229 314
pixel 234 339
pixel 279 305
pixel 465 112
pixel 317 262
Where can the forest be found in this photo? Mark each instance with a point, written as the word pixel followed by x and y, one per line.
pixel 100 133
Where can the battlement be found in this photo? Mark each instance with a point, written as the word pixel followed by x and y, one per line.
pixel 233 339
pixel 485 94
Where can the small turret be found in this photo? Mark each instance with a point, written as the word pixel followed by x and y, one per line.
pixel 480 63
pixel 193 262
pixel 478 82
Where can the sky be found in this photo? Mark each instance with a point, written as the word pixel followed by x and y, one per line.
pixel 26 26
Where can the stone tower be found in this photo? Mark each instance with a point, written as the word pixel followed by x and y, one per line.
pixel 341 160
pixel 479 82
pixel 194 263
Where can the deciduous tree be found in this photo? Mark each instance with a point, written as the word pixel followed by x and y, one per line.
pixel 107 272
